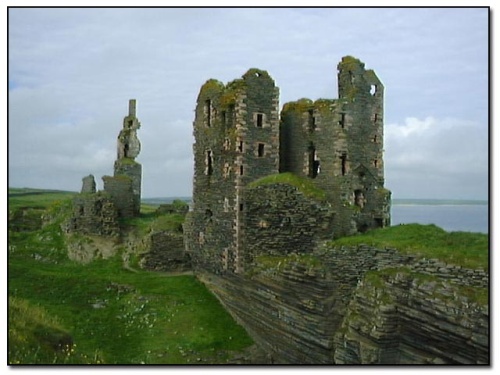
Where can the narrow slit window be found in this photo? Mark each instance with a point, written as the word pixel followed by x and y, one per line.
pixel 241 170
pixel 375 118
pixel 342 120
pixel 240 146
pixel 260 150
pixel 241 206
pixel 373 90
pixel 313 162
pixel 312 121
pixel 375 163
pixel 260 120
pixel 343 167
pixel 209 161
pixel 223 117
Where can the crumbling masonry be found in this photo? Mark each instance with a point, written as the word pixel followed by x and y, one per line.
pixel 97 212
pixel 246 152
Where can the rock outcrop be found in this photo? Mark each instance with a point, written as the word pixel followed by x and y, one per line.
pixel 358 306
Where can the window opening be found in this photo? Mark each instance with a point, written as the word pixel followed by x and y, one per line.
pixel 375 118
pixel 342 120
pixel 373 90
pixel 375 163
pixel 260 118
pixel 240 146
pixel 223 115
pixel 312 121
pixel 241 206
pixel 313 162
pixel 359 198
pixel 209 161
pixel 227 170
pixel 241 170
pixel 375 138
pixel 343 159
pixel 260 151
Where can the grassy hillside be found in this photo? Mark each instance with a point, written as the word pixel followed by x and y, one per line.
pixel 62 312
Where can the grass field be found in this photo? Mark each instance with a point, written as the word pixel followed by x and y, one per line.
pixel 62 312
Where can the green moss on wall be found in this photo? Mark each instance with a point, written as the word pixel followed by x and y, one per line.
pixel 305 185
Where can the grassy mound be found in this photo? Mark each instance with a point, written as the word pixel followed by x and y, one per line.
pixel 465 249
pixel 305 185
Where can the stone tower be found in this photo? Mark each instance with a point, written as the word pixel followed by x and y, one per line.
pixel 236 132
pixel 338 144
pixel 125 185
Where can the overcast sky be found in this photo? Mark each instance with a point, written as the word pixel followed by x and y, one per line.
pixel 72 72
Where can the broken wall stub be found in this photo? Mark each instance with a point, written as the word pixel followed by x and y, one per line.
pixel 93 214
pixel 88 184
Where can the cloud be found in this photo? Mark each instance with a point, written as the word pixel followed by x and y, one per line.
pixel 436 158
pixel 73 70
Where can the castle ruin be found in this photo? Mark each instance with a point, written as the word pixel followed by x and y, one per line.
pixel 97 212
pixel 277 183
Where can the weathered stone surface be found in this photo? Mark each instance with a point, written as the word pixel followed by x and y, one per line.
pixel 406 326
pixel 93 214
pixel 88 184
pixel 164 251
pixel 338 311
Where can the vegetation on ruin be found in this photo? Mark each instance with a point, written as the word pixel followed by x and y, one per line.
pixel 466 249
pixel 300 106
pixel 127 161
pixel 433 283
pixel 63 312
pixel 277 262
pixel 305 185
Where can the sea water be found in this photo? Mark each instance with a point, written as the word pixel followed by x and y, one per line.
pixel 450 217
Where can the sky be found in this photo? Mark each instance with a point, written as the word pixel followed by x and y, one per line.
pixel 71 72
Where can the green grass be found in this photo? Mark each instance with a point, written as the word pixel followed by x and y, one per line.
pixel 303 184
pixel 64 312
pixel 465 249
pixel 36 198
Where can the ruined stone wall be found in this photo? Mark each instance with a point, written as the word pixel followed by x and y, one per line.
pixel 280 220
pixel 120 190
pixel 304 311
pixel 132 170
pixel 164 251
pixel 93 214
